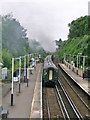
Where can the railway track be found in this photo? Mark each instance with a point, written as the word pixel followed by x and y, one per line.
pixel 58 104
pixel 66 100
pixel 51 105
pixel 69 109
pixel 78 96
pixel 63 102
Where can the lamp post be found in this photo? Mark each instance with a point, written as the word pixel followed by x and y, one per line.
pixel 28 70
pixel 73 62
pixel 19 73
pixel 24 65
pixel 74 59
pixel 13 77
pixel 12 82
pixel 77 61
pixel 24 68
pixel 79 58
pixel 83 65
pixel 0 68
pixel 70 58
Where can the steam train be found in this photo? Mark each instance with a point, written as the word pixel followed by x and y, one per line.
pixel 50 71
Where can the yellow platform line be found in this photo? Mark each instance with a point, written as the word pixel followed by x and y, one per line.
pixel 34 94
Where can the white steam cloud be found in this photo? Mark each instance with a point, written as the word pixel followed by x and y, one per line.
pixel 46 42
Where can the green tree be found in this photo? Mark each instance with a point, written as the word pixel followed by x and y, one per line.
pixel 79 27
pixel 7 58
pixel 14 36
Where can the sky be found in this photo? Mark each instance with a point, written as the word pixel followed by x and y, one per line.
pixel 45 20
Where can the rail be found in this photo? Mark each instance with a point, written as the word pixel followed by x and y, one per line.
pixel 48 107
pixel 75 92
pixel 70 105
pixel 65 110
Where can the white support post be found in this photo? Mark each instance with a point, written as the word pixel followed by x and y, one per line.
pixel 28 60
pixel 24 67
pixel 79 58
pixel 28 70
pixel 69 59
pixel 12 82
pixel 35 65
pixel 73 60
pixel 83 65
pixel 77 61
pixel 19 72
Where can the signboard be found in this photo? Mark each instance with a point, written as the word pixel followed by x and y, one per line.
pixel 15 79
pixel 4 72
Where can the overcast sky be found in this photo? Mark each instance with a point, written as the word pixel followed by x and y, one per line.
pixel 45 20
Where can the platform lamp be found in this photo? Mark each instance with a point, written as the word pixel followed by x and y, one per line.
pixel 28 71
pixel 0 69
pixel 77 61
pixel 12 82
pixel 69 58
pixel 84 64
pixel 24 68
pixel 24 57
pixel 79 58
pixel 73 60
pixel 19 72
pixel 13 77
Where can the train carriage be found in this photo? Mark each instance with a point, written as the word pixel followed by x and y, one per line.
pixel 50 71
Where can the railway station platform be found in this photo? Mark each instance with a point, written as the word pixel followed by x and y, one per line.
pixel 83 83
pixel 28 103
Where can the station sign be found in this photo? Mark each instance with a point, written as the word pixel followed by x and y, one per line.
pixel 15 79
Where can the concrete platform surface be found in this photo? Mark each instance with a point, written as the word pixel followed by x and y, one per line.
pixel 23 101
pixel 83 83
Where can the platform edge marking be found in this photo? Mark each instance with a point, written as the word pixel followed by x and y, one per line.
pixel 41 96
pixel 34 94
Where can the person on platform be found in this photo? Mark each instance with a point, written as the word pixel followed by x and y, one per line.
pixel 62 61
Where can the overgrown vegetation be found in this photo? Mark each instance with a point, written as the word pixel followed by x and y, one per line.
pixel 14 36
pixel 15 42
pixel 78 39
pixel 79 27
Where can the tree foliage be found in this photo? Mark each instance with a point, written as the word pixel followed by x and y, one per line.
pixel 78 38
pixel 15 41
pixel 79 27
pixel 7 58
pixel 14 36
